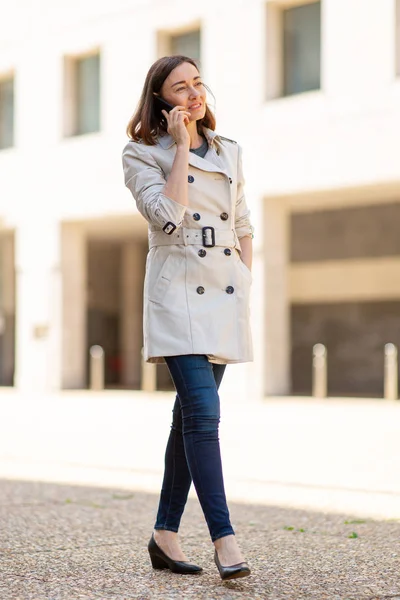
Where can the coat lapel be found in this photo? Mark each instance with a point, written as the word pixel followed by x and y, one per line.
pixel 206 165
pixel 167 142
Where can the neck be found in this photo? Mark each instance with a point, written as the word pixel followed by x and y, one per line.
pixel 195 137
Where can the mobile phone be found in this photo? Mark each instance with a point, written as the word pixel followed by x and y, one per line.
pixel 162 105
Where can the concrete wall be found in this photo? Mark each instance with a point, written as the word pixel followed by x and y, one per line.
pixel 346 233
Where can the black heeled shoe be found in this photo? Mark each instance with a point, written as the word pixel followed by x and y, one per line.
pixel 233 571
pixel 160 560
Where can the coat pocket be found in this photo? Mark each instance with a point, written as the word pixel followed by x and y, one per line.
pixel 246 271
pixel 168 272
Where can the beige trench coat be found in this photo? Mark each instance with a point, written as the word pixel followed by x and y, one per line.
pixel 196 294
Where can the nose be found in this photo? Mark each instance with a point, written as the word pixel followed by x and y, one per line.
pixel 194 93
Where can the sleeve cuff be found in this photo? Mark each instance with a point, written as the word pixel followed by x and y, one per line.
pixel 169 213
pixel 244 231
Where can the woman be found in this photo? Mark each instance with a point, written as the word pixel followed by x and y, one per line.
pixel 188 184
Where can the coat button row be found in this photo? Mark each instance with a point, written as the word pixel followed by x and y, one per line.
pixel 229 290
pixel 223 216
pixel 203 253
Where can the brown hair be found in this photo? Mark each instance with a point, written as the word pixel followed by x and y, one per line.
pixel 145 124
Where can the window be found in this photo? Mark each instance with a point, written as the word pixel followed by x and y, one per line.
pixel 82 95
pixel 293 47
pixel 301 49
pixel 6 112
pixel 187 44
pixel 88 94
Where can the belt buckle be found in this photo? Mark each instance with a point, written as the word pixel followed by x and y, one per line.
pixel 205 235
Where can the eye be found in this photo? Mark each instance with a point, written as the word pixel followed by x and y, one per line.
pixel 180 89
pixel 199 83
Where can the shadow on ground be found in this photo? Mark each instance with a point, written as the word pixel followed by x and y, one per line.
pixel 65 542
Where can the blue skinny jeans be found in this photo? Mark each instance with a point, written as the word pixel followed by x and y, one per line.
pixel 193 452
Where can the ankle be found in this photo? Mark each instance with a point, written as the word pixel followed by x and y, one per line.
pixel 228 551
pixel 225 542
pixel 166 538
pixel 165 534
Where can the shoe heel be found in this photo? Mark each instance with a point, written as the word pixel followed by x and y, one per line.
pixel 157 562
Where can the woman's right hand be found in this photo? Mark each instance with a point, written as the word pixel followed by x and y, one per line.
pixel 177 121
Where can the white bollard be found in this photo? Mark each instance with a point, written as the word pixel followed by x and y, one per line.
pixel 320 371
pixel 149 376
pixel 391 373
pixel 96 368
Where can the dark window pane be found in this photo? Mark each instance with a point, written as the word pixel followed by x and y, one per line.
pixel 7 113
pixel 88 94
pixel 187 44
pixel 302 49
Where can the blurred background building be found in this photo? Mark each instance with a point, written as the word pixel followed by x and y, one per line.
pixel 311 90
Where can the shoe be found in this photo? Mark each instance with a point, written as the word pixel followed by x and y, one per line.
pixel 233 571
pixel 160 560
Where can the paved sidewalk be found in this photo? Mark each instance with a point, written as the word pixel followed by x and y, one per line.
pixel 331 455
pixel 63 542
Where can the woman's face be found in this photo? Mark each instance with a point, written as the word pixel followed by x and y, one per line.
pixel 184 87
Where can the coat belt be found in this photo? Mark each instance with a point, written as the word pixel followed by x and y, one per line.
pixel 197 237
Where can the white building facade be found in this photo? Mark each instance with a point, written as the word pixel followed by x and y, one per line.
pixel 311 90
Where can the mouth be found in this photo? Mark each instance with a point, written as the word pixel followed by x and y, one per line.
pixel 195 106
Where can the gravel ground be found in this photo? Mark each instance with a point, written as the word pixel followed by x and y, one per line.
pixel 63 542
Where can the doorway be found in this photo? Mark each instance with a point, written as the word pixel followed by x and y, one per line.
pixel 115 277
pixel 7 308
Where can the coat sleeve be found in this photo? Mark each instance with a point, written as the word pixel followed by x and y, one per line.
pixel 145 179
pixel 243 224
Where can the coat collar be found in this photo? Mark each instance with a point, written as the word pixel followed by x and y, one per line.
pixel 166 141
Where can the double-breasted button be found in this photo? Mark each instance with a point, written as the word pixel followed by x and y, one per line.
pixel 227 252
pixel 202 253
pixel 230 180
pixel 224 216
pixel 196 217
pixel 200 290
pixel 190 179
pixel 229 289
